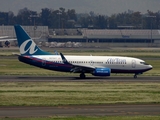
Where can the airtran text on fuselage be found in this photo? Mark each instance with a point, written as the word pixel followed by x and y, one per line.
pixel 116 61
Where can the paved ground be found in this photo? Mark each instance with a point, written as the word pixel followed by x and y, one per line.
pixel 96 110
pixel 153 109
pixel 77 79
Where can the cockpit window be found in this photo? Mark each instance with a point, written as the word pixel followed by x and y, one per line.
pixel 144 63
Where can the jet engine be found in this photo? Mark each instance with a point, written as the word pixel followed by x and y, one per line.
pixel 101 72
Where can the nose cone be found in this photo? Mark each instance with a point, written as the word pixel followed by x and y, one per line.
pixel 150 67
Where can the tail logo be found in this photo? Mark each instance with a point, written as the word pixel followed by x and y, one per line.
pixel 25 47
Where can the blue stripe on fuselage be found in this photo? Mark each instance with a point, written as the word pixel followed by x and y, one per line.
pixel 45 64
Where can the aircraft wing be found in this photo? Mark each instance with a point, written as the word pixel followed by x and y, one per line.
pixel 2 40
pixel 2 37
pixel 8 38
pixel 77 68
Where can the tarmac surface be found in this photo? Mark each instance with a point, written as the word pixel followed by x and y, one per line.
pixel 77 79
pixel 74 110
pixel 85 110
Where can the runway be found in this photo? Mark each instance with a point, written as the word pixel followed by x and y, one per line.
pixel 85 110
pixel 74 110
pixel 77 79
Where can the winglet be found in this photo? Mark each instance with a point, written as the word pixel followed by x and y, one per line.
pixel 64 59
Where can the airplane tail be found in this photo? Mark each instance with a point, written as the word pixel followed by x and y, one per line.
pixel 26 45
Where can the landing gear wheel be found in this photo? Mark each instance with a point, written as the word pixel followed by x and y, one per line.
pixel 135 76
pixel 82 76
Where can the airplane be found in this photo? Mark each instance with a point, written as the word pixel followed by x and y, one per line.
pixel 31 54
pixel 6 40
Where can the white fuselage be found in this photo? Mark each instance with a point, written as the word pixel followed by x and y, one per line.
pixel 112 62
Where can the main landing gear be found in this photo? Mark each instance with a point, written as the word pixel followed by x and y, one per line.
pixel 135 76
pixel 82 76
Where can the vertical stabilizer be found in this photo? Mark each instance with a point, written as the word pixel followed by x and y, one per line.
pixel 26 45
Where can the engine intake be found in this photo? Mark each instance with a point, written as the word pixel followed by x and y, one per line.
pixel 102 72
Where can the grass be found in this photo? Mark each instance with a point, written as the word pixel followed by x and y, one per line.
pixel 70 93
pixel 73 93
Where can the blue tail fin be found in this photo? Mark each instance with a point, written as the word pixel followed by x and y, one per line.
pixel 26 45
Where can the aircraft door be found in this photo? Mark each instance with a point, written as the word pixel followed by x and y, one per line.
pixel 133 63
pixel 91 62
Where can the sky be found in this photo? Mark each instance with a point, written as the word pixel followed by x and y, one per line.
pixel 105 7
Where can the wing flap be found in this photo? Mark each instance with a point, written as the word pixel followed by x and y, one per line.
pixel 80 68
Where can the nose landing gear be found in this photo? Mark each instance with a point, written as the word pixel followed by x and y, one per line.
pixel 135 75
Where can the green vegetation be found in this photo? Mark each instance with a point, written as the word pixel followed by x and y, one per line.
pixel 69 93
pixel 73 93
pixel 52 17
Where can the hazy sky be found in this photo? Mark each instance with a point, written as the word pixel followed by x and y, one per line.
pixel 106 7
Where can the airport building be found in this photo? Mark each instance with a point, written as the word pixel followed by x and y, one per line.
pixel 101 38
pixel 90 37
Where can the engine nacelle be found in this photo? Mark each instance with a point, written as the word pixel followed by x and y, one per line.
pixel 102 72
